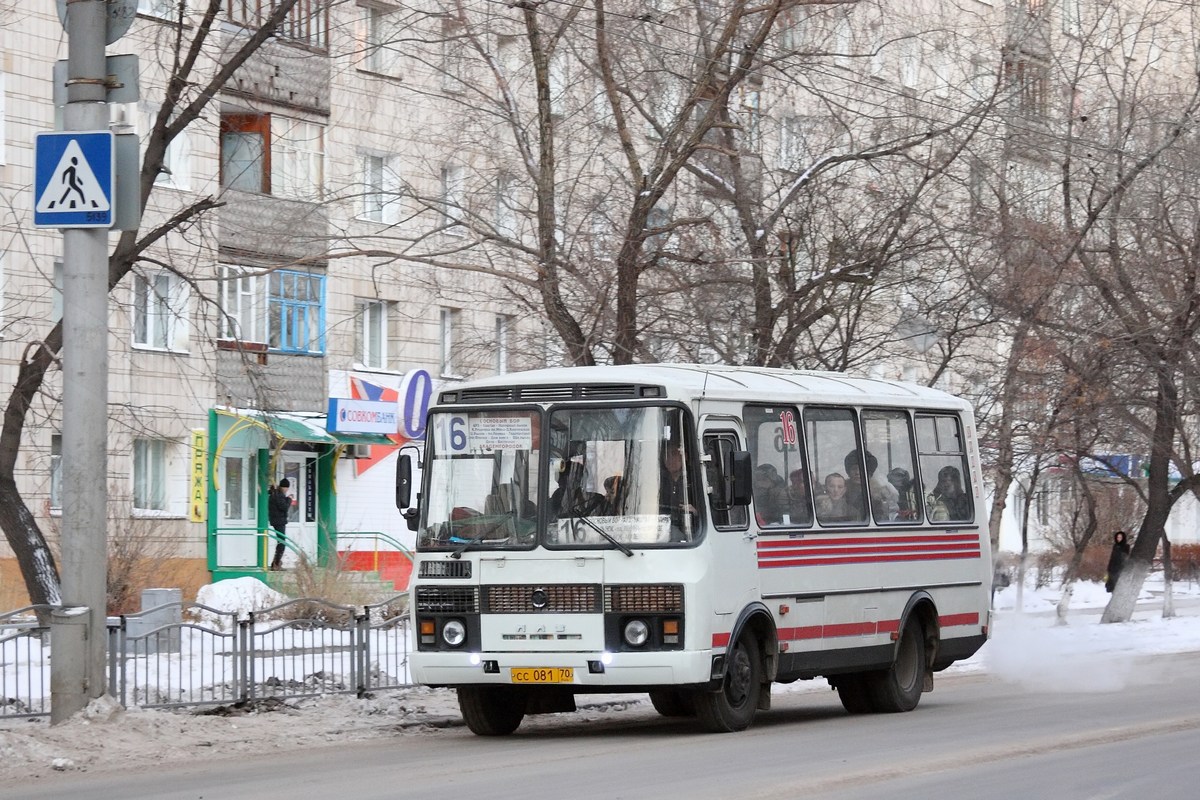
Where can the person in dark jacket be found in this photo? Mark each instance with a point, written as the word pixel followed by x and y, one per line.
pixel 1116 561
pixel 279 504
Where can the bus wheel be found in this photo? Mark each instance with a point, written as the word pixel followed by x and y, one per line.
pixel 852 691
pixel 898 688
pixel 732 707
pixel 672 703
pixel 491 710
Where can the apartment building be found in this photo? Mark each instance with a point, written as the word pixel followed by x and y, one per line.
pixel 243 328
pixel 378 225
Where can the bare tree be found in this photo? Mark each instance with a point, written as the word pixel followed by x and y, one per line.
pixel 202 60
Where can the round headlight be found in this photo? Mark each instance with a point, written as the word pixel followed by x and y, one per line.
pixel 454 632
pixel 636 632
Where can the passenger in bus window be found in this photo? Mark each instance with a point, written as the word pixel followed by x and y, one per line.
pixel 611 505
pixel 906 493
pixel 949 502
pixel 799 501
pixel 673 495
pixel 884 499
pixel 833 505
pixel 770 495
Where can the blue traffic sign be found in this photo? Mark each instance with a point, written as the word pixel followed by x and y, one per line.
pixel 73 179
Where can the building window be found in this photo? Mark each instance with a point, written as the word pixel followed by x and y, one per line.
pixel 382 45
pixel 307 23
pixel 373 188
pixel 751 114
pixel 501 345
pixel 1028 83
pixel 285 309
pixel 56 471
pixel 149 475
pixel 159 303
pixel 246 152
pixel 1072 17
pixel 453 199
pixel 177 161
pixel 3 128
pixel 381 189
pixel 56 293
pixel 163 9
pixel 298 158
pixel 453 63
pixel 449 318
pixel 269 154
pixel 243 310
pixel 296 312
pixel 507 218
pixel 559 76
pixel 372 333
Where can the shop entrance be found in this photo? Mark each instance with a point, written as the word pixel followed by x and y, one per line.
pixel 301 471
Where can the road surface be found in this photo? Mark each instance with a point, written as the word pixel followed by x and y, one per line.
pixel 975 736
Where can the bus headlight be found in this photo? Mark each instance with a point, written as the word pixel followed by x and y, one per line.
pixel 636 632
pixel 454 632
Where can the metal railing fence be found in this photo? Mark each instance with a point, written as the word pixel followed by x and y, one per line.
pixel 189 654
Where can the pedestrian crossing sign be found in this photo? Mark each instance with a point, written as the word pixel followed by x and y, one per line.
pixel 73 179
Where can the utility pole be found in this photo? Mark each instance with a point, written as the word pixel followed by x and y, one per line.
pixel 78 666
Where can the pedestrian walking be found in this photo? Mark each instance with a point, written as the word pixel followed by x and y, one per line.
pixel 1116 560
pixel 279 504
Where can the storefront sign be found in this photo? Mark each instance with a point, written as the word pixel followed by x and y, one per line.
pixel 362 416
pixel 198 495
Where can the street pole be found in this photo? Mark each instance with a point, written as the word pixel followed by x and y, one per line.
pixel 75 681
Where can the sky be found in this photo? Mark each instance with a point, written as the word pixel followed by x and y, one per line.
pixel 1027 648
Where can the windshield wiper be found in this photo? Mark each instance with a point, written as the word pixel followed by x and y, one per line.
pixel 484 530
pixel 620 546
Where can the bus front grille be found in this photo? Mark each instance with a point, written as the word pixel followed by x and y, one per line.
pixel 448 599
pixel 548 599
pixel 664 598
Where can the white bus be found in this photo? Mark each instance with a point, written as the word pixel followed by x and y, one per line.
pixel 697 533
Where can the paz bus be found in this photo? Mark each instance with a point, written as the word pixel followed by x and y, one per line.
pixel 697 533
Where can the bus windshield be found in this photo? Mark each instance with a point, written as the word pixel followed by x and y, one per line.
pixel 483 469
pixel 615 477
pixel 622 474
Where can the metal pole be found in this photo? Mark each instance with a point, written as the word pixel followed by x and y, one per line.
pixel 85 378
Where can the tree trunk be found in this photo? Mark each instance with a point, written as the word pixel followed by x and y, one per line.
pixel 29 546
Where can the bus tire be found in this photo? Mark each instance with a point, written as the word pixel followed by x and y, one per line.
pixel 732 706
pixel 898 688
pixel 672 703
pixel 852 691
pixel 491 710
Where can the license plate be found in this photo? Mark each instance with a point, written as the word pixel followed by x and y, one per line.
pixel 543 675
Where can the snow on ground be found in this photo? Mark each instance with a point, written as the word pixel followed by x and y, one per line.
pixel 1027 648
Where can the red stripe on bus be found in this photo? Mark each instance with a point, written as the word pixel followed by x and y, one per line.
pixel 950 620
pixel 879 548
pixel 765 544
pixel 870 559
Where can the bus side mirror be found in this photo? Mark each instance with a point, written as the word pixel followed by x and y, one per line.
pixel 738 472
pixel 404 487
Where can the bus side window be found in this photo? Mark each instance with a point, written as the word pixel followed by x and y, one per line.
pixel 944 474
pixel 717 447
pixel 782 497
pixel 891 472
pixel 837 465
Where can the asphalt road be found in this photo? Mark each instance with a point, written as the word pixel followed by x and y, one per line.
pixel 975 736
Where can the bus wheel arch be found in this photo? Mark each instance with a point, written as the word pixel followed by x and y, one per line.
pixel 742 685
pixel 899 687
pixel 922 607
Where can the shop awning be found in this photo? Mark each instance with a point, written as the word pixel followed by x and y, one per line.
pixel 292 427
